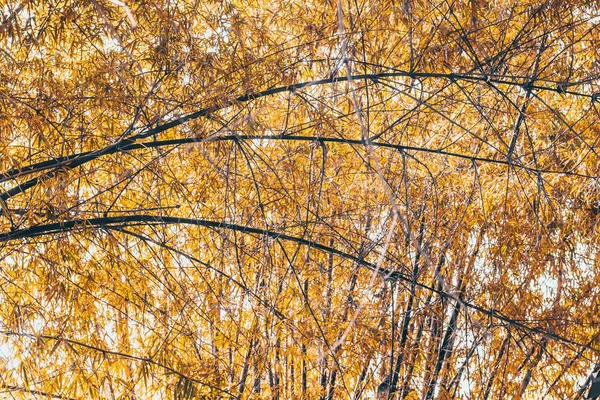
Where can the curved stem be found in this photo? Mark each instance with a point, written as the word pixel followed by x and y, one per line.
pixel 107 222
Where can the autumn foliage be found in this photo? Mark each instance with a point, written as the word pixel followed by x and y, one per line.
pixel 307 200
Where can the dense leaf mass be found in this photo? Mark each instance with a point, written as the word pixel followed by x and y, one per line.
pixel 299 199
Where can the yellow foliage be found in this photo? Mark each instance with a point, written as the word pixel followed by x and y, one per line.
pixel 325 199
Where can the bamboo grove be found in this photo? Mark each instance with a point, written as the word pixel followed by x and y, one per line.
pixel 299 199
